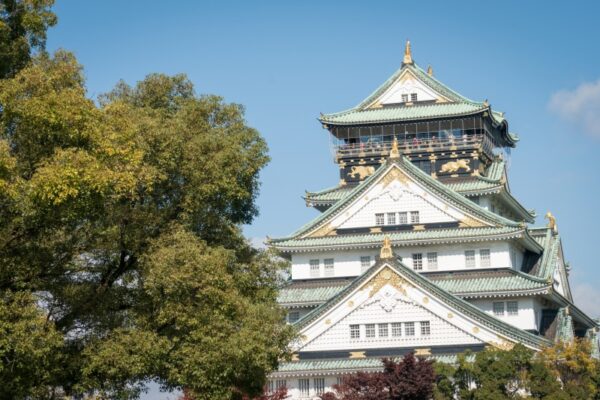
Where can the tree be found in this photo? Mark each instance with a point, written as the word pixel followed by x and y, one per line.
pixel 571 365
pixel 23 25
pixel 409 379
pixel 120 224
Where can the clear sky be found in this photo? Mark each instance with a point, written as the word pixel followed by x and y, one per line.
pixel 287 61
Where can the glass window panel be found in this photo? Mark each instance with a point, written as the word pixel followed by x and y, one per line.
pixel 396 329
pixel 470 258
pixel 409 329
pixel 498 308
pixel 512 307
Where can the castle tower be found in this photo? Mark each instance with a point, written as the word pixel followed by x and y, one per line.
pixel 420 246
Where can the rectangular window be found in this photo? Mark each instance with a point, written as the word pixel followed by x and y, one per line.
pixel 293 316
pixel 315 268
pixel 512 307
pixel 304 387
pixel 470 258
pixel 370 330
pixel 328 263
pixel 280 383
pixel 409 329
pixel 417 260
pixel 270 387
pixel 396 329
pixel 432 261
pixel 402 218
pixel 405 98
pixel 379 219
pixel 425 328
pixel 391 218
pixel 414 217
pixel 383 330
pixel 340 380
pixel 498 308
pixel 319 385
pixel 365 263
pixel 484 258
pixel 354 331
pixel 413 97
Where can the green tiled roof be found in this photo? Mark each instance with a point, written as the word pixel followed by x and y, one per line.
pixel 456 105
pixel 476 283
pixel 452 301
pixel 342 365
pixel 401 238
pixel 491 282
pixel 311 292
pixel 401 113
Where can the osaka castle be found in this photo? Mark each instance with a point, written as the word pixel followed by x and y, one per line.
pixel 421 246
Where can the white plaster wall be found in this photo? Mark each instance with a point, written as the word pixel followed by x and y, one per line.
pixel 347 262
pixel 398 200
pixel 407 84
pixel 338 336
pixel 527 317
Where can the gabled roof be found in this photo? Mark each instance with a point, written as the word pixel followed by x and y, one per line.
pixel 498 225
pixel 443 102
pixel 459 306
pixel 493 182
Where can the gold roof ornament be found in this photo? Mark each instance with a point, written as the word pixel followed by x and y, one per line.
pixel 407 54
pixel 551 222
pixel 430 71
pixel 386 249
pixel 486 103
pixel 394 153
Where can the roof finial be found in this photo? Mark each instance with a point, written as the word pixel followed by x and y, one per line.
pixel 394 153
pixel 551 222
pixel 386 249
pixel 407 54
pixel 430 71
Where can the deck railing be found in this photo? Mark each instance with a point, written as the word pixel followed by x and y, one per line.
pixel 416 145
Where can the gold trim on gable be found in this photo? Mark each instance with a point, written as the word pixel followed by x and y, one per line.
pixel 394 175
pixel 469 222
pixel 384 277
pixel 326 230
pixel 423 352
pixel 502 345
pixel 357 354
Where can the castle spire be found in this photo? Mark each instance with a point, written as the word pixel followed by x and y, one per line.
pixel 407 54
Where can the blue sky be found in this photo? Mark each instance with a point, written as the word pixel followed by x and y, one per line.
pixel 287 61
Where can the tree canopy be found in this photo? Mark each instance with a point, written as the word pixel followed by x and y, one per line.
pixel 23 25
pixel 120 246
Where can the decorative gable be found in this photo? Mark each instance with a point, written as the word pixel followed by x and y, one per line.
pixel 404 90
pixel 410 201
pixel 392 294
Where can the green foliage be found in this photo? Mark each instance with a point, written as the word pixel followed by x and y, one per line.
pixel 563 371
pixel 124 218
pixel 23 25
pixel 29 347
